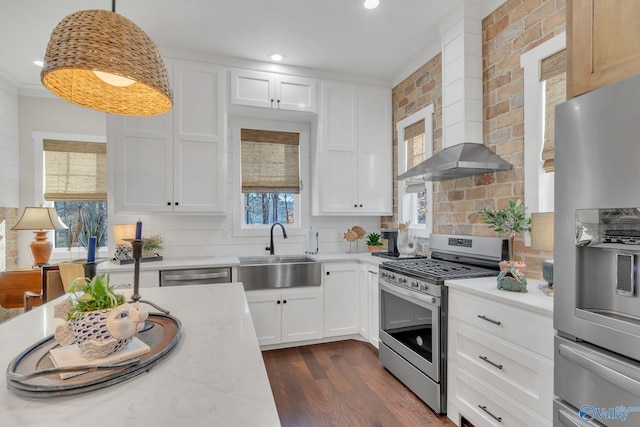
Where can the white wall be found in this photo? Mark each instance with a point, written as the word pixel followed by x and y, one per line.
pixel 184 235
pixel 9 158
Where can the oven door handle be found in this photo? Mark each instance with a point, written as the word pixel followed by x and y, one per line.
pixel 411 295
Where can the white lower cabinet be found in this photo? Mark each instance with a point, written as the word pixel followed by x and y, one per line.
pixel 341 299
pixel 500 363
pixel 374 306
pixel 286 316
pixel 148 279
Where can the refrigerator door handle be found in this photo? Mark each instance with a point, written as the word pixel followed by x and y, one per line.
pixel 610 370
pixel 567 420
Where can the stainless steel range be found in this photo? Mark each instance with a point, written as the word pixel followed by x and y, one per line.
pixel 413 308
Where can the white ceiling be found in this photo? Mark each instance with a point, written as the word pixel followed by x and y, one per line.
pixel 330 35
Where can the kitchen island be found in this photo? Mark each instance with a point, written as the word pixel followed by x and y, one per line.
pixel 214 376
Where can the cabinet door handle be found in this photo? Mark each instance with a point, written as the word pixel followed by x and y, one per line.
pixel 495 322
pixel 484 408
pixel 486 359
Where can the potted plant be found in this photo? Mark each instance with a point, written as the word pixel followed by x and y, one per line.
pixel 373 242
pixel 98 319
pixel 152 245
pixel 509 220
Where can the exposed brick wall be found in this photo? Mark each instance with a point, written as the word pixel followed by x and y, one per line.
pixel 8 238
pixel 420 89
pixel 511 30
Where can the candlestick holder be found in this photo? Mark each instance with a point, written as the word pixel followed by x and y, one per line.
pixel 137 254
pixel 137 245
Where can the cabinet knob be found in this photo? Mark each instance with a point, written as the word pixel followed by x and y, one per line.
pixel 278 302
pixel 355 206
pixel 360 205
pixel 284 302
pixel 168 203
pixel 176 203
pixel 328 273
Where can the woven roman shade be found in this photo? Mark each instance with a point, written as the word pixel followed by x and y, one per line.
pixel 414 138
pixel 75 170
pixel 553 73
pixel 103 41
pixel 270 161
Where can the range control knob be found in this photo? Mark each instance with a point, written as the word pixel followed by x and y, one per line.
pixel 423 287
pixel 402 280
pixel 392 276
pixel 414 284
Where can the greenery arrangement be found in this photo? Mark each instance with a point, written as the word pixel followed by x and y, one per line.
pixel 373 239
pixel 510 220
pixel 97 294
pixel 153 243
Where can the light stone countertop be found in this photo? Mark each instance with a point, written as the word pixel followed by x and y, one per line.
pixel 228 261
pixel 534 300
pixel 214 377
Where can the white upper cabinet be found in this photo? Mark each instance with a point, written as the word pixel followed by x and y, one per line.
pixel 353 175
pixel 267 90
pixel 174 162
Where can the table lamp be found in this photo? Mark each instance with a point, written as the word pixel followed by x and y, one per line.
pixel 122 236
pixel 542 240
pixel 40 220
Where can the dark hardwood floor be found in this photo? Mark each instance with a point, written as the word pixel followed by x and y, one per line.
pixel 342 384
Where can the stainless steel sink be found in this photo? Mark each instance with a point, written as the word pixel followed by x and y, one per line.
pixel 278 271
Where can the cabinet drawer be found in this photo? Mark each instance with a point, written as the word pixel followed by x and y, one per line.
pixel 519 373
pixel 485 406
pixel 529 330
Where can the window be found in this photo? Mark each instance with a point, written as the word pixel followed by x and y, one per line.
pixel 75 183
pixel 270 164
pixel 415 144
pixel 539 102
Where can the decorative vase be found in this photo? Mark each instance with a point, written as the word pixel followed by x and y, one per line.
pixel 512 279
pixel 102 332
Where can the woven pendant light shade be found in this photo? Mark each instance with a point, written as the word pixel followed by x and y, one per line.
pixel 101 40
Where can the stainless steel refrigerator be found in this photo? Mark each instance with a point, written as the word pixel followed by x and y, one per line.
pixel 597 258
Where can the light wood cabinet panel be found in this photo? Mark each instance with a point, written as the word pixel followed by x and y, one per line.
pixel 603 43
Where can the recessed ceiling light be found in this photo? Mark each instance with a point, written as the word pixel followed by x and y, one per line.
pixel 371 4
pixel 276 57
pixel 39 63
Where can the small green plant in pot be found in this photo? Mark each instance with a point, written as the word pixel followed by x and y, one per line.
pixel 374 242
pixel 152 245
pixel 97 318
pixel 509 221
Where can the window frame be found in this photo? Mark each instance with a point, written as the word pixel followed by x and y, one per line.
pixel 58 254
pixel 302 199
pixel 410 199
pixel 538 185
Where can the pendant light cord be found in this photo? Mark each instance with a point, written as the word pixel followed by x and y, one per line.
pixel 113 6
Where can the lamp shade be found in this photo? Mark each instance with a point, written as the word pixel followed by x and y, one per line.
pixel 122 232
pixel 542 231
pixel 103 61
pixel 39 218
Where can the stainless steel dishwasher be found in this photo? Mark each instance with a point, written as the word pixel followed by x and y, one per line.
pixel 195 276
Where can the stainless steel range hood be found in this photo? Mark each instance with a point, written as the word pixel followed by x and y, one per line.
pixel 458 161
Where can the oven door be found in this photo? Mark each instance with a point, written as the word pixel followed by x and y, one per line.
pixel 410 326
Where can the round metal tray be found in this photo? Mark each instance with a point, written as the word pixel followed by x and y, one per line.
pixel 161 338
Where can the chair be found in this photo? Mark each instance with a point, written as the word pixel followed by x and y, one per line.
pixel 52 287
